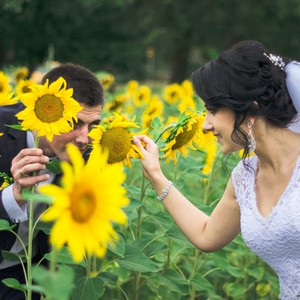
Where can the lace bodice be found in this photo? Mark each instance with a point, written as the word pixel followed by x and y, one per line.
pixel 275 238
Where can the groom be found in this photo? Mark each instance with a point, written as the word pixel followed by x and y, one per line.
pixel 18 159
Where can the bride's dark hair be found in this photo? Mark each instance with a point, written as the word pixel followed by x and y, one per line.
pixel 245 80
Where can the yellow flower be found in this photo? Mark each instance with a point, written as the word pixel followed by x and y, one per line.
pixel 7 98
pixel 186 134
pixel 5 87
pixel 50 109
pixel 1 133
pixel 155 108
pixel 107 81
pixel 21 74
pixel 142 96
pixel 4 185
pixel 6 179
pixel 90 199
pixel 211 147
pixel 187 88
pixel 132 87
pixel 117 103
pixel 23 86
pixel 117 138
pixel 173 93
pixel 187 103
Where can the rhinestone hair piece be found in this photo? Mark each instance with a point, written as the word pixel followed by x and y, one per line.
pixel 276 60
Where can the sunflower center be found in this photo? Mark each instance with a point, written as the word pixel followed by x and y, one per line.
pixel 49 108
pixel 83 206
pixel 118 142
pixel 26 89
pixel 1 87
pixel 116 105
pixel 184 137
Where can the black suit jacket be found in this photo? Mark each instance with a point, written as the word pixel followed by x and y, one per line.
pixel 11 143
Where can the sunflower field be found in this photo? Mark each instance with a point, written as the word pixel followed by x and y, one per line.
pixel 143 254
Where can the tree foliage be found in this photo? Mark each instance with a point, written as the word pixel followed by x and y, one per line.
pixel 142 38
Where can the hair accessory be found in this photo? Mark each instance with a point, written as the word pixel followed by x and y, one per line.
pixel 165 191
pixel 250 141
pixel 292 81
pixel 276 60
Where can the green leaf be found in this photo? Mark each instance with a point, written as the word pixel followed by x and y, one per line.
pixel 88 288
pixel 118 247
pixel 235 272
pixel 220 260
pixel 13 283
pixel 175 282
pixel 256 272
pixel 11 256
pixel 156 123
pixel 200 283
pixel 4 225
pixel 64 257
pixel 17 126
pixel 28 195
pixel 175 234
pixel 162 219
pixel 56 285
pixel 44 226
pixel 54 166
pixel 235 290
pixel 156 247
pixel 263 289
pixel 136 260
pixel 108 278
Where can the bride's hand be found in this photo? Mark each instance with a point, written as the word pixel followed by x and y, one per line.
pixel 150 162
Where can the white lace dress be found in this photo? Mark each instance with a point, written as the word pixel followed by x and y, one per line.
pixel 275 238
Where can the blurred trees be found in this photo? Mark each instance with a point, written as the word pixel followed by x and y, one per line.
pixel 154 39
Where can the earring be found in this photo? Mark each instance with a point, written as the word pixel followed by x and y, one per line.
pixel 251 144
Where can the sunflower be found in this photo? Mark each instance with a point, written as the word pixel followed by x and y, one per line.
pixel 6 179
pixel 50 109
pixel 155 108
pixel 187 103
pixel 186 134
pixel 7 98
pixel 117 103
pixel 187 88
pixel 107 81
pixel 132 87
pixel 83 209
pixel 210 146
pixel 21 74
pixel 117 138
pixel 23 86
pixel 173 93
pixel 5 87
pixel 142 95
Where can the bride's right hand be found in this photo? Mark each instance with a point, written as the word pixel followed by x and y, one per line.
pixel 150 161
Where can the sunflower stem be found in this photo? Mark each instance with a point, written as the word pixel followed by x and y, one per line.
pixel 30 235
pixel 53 259
pixel 170 241
pixel 29 252
pixel 163 131
pixel 138 235
pixel 88 265
pixel 208 184
pixel 139 221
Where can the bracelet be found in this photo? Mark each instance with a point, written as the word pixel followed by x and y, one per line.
pixel 165 192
